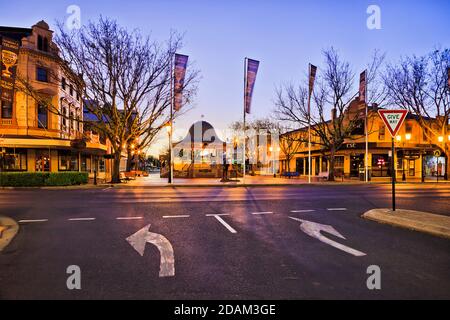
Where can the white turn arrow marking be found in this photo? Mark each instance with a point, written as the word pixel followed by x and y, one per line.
pixel 313 229
pixel 140 238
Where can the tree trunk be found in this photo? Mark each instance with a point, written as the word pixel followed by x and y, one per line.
pixel 331 167
pixel 115 174
pixel 129 161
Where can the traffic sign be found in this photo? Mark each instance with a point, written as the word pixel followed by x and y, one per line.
pixel 393 119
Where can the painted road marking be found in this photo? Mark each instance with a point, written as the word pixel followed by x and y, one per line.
pixel 30 221
pixel 226 225
pixel 177 216
pixel 167 260
pixel 336 209
pixel 217 214
pixel 306 210
pixel 128 218
pixel 313 229
pixel 81 219
pixel 264 212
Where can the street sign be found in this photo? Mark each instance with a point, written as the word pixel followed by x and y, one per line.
pixel 393 119
pixel 437 153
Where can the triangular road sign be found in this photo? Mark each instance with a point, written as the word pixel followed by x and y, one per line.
pixel 393 119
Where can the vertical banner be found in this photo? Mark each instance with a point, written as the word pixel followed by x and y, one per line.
pixel 9 53
pixel 362 86
pixel 250 78
pixel 312 77
pixel 179 75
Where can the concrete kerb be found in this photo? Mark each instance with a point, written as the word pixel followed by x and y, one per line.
pixel 430 223
pixel 8 230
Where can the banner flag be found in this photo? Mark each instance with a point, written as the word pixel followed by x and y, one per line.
pixel 362 86
pixel 250 78
pixel 9 53
pixel 312 77
pixel 179 75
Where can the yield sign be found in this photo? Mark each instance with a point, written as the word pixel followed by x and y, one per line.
pixel 393 119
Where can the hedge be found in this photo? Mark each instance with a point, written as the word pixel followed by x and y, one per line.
pixel 40 179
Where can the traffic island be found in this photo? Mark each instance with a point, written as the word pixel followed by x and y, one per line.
pixel 434 224
pixel 8 230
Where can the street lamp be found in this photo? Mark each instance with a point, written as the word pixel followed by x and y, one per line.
pixel 407 138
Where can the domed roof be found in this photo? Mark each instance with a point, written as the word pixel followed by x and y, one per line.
pixel 42 24
pixel 202 131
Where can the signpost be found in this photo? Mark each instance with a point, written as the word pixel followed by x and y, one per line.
pixel 393 120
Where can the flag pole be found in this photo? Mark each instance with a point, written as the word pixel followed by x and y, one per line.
pixel 309 127
pixel 366 160
pixel 245 88
pixel 171 120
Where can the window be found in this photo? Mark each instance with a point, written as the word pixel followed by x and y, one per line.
pixel 101 165
pixel 86 163
pixel 408 128
pixel 42 43
pixel 67 161
pixel 358 128
pixel 42 116
pixel 64 120
pixel 71 90
pixel 6 109
pixel 71 121
pixel 381 133
pixel 381 165
pixel 15 159
pixel 41 74
pixel 42 160
pixel 63 83
pixel 339 166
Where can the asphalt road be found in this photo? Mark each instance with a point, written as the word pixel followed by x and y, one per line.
pixel 228 243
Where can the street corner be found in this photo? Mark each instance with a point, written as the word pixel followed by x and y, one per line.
pixel 430 223
pixel 8 230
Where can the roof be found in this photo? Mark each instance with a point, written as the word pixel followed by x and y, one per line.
pixel 15 33
pixel 201 131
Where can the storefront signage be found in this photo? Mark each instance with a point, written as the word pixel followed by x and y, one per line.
pixel 437 153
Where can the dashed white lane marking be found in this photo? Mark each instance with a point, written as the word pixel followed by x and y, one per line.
pixel 81 219
pixel 128 218
pixel 217 214
pixel 264 212
pixel 336 209
pixel 177 216
pixel 226 225
pixel 35 220
pixel 305 210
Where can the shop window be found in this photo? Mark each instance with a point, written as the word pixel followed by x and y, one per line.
pixel 14 160
pixel 101 165
pixel 42 160
pixel 339 166
pixel 67 161
pixel 381 165
pixel 42 116
pixel 41 74
pixel 6 110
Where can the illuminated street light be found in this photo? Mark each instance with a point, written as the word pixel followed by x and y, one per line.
pixel 440 138
pixel 132 146
pixel 168 128
pixel 408 136
pixel 399 138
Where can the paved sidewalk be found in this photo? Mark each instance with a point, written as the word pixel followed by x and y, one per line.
pixel 434 224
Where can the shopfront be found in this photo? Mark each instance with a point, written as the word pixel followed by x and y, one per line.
pixel 434 166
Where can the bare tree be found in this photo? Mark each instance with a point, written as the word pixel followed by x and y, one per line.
pixel 331 120
pixel 289 145
pixel 125 79
pixel 419 84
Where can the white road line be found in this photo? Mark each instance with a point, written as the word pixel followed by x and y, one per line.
pixel 81 219
pixel 265 212
pixel 177 216
pixel 218 214
pixel 305 210
pixel 226 225
pixel 336 209
pixel 36 220
pixel 128 218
